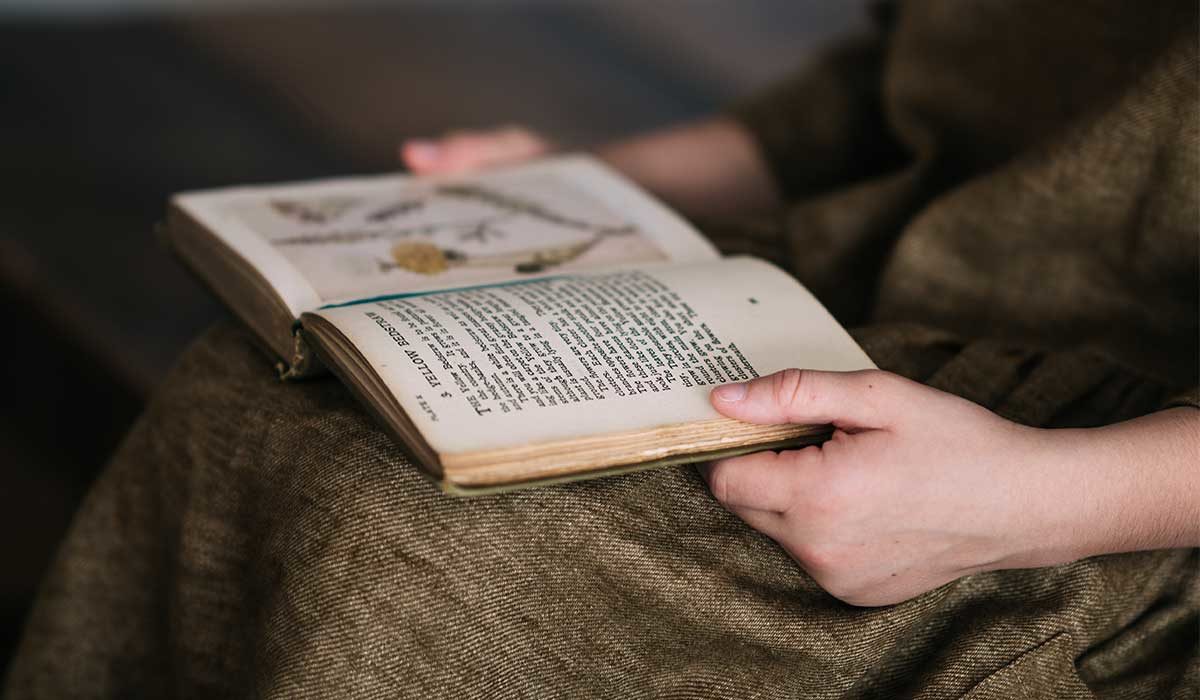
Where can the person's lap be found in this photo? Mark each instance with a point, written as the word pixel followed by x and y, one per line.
pixel 254 535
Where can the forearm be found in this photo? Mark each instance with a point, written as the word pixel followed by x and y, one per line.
pixel 710 168
pixel 1125 487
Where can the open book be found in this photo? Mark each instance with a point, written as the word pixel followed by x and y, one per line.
pixel 521 326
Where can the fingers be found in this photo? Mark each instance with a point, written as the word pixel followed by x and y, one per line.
pixel 464 151
pixel 768 522
pixel 765 481
pixel 848 400
pixel 421 155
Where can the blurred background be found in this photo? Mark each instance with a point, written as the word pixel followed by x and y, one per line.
pixel 108 106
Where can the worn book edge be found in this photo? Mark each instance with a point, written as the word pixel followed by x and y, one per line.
pixel 593 452
pixel 472 491
pixel 243 290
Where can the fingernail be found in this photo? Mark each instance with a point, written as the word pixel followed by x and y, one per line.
pixel 730 392
pixel 423 151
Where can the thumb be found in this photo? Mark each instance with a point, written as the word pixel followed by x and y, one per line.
pixel 864 399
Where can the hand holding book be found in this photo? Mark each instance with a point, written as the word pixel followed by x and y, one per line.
pixel 710 168
pixel 918 487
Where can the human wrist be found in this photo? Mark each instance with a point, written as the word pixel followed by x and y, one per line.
pixel 1119 488
pixel 706 169
pixel 1041 508
pixel 1081 496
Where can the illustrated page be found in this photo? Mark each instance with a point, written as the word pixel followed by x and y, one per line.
pixel 589 353
pixel 344 240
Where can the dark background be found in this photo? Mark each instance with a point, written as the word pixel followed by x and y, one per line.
pixel 107 107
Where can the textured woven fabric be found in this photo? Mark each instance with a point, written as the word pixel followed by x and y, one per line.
pixel 262 539
pixel 1001 196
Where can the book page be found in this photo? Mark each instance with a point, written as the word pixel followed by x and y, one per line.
pixel 336 241
pixel 590 353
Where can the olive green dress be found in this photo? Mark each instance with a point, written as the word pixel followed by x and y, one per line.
pixel 1000 196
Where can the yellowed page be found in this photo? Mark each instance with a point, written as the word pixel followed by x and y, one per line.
pixel 334 241
pixel 589 353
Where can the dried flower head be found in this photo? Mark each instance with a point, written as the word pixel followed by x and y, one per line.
pixel 420 257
